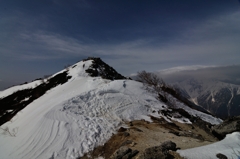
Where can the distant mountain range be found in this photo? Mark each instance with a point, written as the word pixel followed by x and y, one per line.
pixel 220 98
pixel 216 89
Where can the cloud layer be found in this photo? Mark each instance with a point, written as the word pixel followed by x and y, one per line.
pixel 229 74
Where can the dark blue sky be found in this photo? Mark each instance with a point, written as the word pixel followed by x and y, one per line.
pixel 38 38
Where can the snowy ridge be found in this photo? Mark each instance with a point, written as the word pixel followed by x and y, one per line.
pixel 13 89
pixel 75 117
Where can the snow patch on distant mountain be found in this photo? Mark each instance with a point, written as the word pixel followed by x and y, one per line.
pixel 218 97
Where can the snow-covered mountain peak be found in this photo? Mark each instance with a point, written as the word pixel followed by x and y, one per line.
pixel 78 109
pixel 93 67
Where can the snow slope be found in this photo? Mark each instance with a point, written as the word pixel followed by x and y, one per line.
pixel 71 119
pixel 229 146
pixel 11 90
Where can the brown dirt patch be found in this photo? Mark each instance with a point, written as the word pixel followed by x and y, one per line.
pixel 142 134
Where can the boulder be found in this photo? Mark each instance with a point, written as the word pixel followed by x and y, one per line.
pixel 159 152
pixel 228 126
pixel 124 153
pixel 169 145
pixel 119 153
pixel 155 152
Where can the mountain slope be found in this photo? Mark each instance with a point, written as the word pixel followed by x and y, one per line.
pixel 81 112
pixel 220 98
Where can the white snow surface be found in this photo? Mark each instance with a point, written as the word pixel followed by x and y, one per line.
pixel 230 147
pixel 71 119
pixel 206 117
pixel 11 90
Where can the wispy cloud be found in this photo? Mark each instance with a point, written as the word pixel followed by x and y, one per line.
pixel 210 42
pixel 229 74
pixel 183 68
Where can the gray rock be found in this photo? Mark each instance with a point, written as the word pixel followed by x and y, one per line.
pixel 126 134
pixel 127 156
pixel 159 152
pixel 119 153
pixel 169 145
pixel 156 152
pixel 134 153
pixel 130 154
pixel 124 153
pixel 122 129
pixel 228 126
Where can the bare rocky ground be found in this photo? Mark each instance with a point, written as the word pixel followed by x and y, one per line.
pixel 140 135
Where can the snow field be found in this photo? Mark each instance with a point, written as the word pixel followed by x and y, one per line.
pixel 67 125
pixel 230 147
pixel 11 90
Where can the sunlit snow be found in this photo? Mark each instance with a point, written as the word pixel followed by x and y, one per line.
pixel 230 147
pixel 71 119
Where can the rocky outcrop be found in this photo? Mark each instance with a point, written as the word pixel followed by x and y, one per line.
pixel 12 104
pixel 158 152
pixel 124 153
pixel 100 68
pixel 155 152
pixel 228 126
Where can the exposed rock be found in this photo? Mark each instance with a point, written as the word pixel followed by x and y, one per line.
pixel 221 156
pixel 100 68
pixel 119 153
pixel 228 126
pixel 131 124
pixel 124 153
pixel 130 155
pixel 134 153
pixel 169 145
pixel 187 134
pixel 155 152
pixel 126 134
pixel 127 142
pixel 159 152
pixel 136 129
pixel 122 129
pixel 16 101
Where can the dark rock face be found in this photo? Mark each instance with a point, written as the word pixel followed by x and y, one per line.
pixel 221 98
pixel 169 145
pixel 161 151
pixel 15 102
pixel 228 126
pixel 220 106
pixel 124 153
pixel 155 152
pixel 100 68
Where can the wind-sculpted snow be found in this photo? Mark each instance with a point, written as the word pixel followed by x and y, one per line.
pixel 72 124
